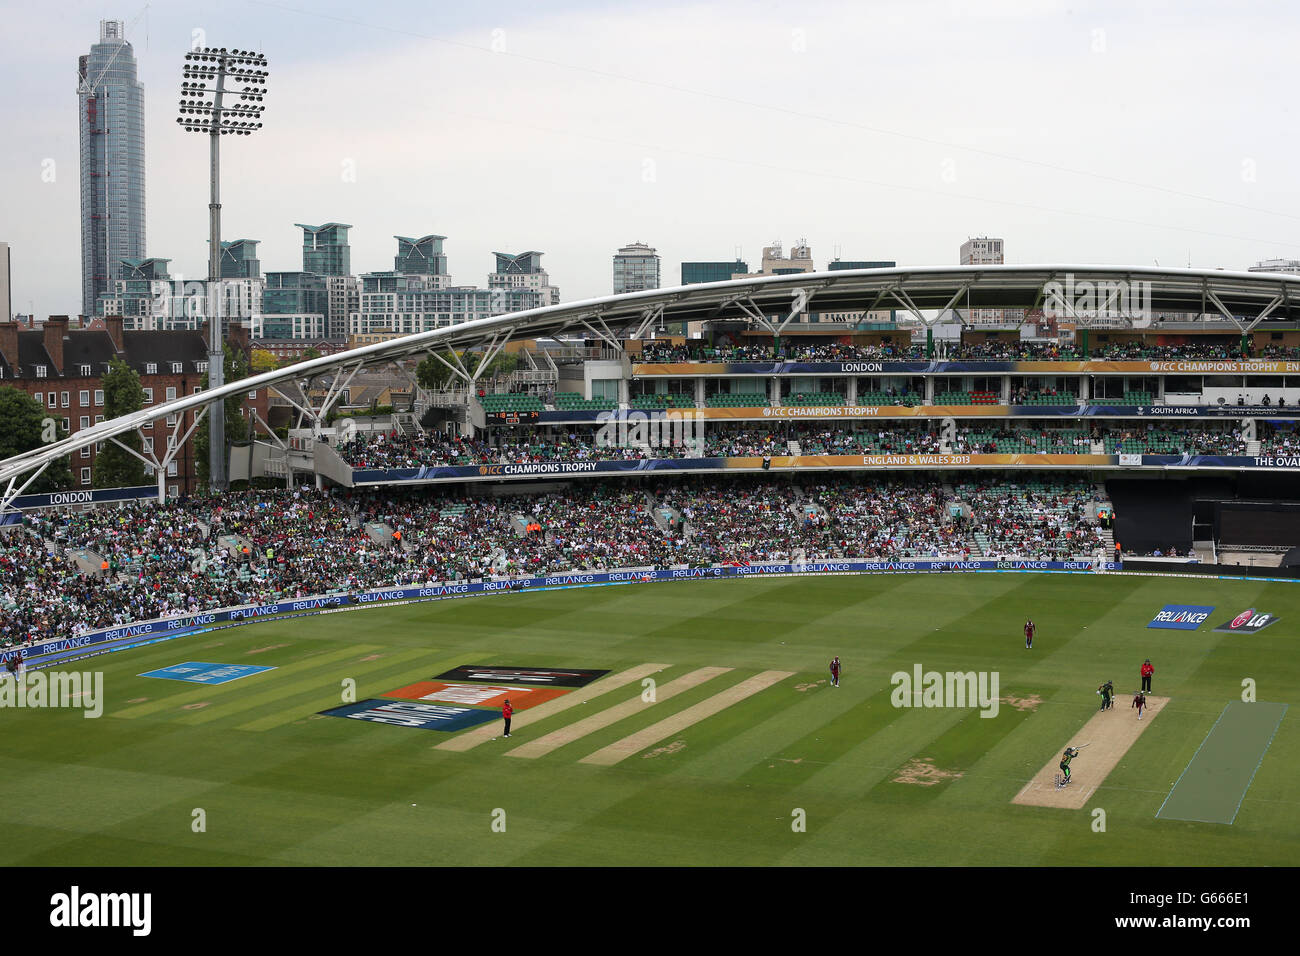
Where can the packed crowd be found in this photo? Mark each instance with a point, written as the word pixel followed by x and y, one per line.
pixel 839 518
pixel 1038 521
pixel 385 450
pixel 65 573
pixel 995 350
pixel 652 352
pixel 1226 350
pixel 998 350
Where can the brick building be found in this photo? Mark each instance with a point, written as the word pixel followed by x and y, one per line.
pixel 63 369
pixel 295 350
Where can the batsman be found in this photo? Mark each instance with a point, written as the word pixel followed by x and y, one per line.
pixel 1070 754
pixel 1107 692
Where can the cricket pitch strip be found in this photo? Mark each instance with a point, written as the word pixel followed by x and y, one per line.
pixel 1104 739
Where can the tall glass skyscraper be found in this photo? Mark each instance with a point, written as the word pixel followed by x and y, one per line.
pixel 110 104
pixel 239 259
pixel 423 256
pixel 325 249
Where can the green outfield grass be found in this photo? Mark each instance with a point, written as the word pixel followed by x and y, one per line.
pixel 279 785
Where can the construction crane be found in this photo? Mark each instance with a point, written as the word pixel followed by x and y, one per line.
pixel 88 86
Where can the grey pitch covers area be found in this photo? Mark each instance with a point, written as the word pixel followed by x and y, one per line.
pixel 1215 782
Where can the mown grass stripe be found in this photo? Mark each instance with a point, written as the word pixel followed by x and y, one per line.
pixel 205 691
pixel 389 678
pixel 319 681
pixel 573 732
pixel 472 738
pixel 622 749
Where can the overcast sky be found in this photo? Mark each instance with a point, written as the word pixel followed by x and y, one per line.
pixel 1083 132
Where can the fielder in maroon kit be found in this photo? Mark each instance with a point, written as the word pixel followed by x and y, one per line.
pixel 835 672
pixel 1140 702
pixel 1029 635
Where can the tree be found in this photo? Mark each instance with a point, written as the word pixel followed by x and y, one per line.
pixel 310 354
pixel 263 361
pixel 433 374
pixel 24 426
pixel 115 467
pixel 236 366
pixel 503 364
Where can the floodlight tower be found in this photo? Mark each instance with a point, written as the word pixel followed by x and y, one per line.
pixel 210 75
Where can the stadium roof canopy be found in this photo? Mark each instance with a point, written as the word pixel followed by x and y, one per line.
pixel 1244 298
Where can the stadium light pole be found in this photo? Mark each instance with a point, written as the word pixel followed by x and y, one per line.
pixel 210 75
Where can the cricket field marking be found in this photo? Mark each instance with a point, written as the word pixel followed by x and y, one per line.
pixel 589 725
pixel 671 726
pixel 1108 735
pixel 481 735
pixel 287 670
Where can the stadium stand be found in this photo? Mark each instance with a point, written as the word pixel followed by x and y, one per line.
pixel 496 402
pixel 385 450
pixel 571 401
pixel 736 400
pixel 173 559
pixel 1226 349
pixel 663 400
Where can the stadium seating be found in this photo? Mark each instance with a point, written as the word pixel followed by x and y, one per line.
pixel 572 401
pixel 1045 398
pixel 663 400
pixel 168 560
pixel 497 402
pixel 808 399
pixel 1128 398
pixel 736 400
pixel 1015 351
pixel 885 398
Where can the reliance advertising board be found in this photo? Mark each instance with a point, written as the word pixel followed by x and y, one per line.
pixel 1181 617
